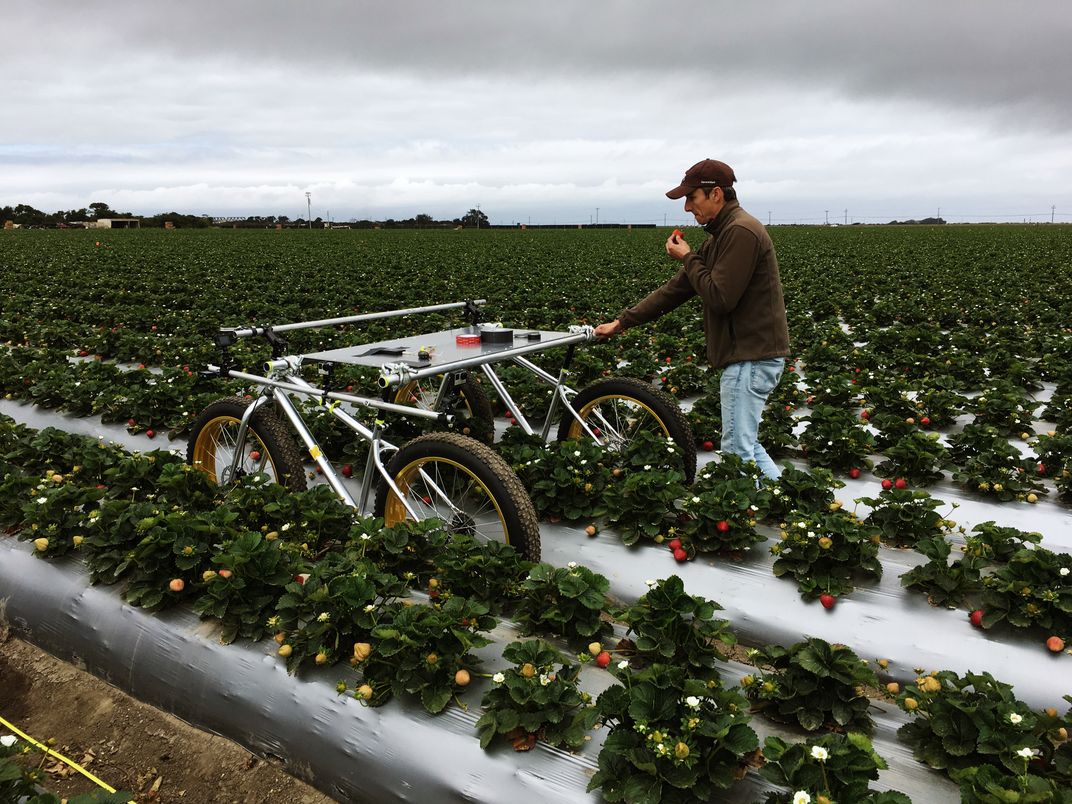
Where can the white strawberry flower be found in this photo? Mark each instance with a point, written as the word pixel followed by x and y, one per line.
pixel 324 617
pixel 650 583
pixel 42 500
pixel 800 797
pixel 576 453
pixel 693 702
pixel 1014 718
pixel 584 462
pixel 695 499
pixel 544 679
pixel 819 753
pixel 1026 753
pixel 572 565
pixel 647 467
pixel 623 664
pixel 498 678
pixel 369 608
pixel 811 534
pixel 8 740
pixel 1064 571
pixel 286 526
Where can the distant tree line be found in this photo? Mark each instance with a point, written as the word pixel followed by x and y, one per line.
pixel 27 216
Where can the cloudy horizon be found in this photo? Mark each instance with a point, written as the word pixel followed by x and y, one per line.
pixel 553 113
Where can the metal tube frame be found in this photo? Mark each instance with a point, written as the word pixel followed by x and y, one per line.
pixel 282 381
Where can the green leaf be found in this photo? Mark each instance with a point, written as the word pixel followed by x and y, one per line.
pixel 642 789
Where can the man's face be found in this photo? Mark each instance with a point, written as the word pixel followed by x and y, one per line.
pixel 705 207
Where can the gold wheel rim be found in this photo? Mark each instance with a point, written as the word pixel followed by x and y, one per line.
pixel 215 445
pixel 413 393
pixel 619 424
pixel 487 521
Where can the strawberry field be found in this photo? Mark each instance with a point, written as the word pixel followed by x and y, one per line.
pixel 886 622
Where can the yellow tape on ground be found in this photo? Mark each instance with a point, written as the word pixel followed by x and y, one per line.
pixel 56 755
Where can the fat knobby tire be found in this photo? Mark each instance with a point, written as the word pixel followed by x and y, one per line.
pixel 664 406
pixel 479 460
pixel 283 450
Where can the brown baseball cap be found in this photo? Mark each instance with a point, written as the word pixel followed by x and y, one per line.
pixel 708 173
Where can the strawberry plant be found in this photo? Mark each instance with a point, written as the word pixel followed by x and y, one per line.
pixel 1033 590
pixel 421 649
pixel 672 739
pixel 890 429
pixel 491 572
pixel 648 450
pixel 974 721
pixel 242 588
pixel 1004 406
pixel 777 431
pixel 997 543
pixel 568 482
pixel 1054 453
pixel 833 439
pixel 917 456
pixel 988 464
pixel 534 700
pixel 705 415
pixel 826 552
pixel 563 601
pixel 673 627
pixel 803 491
pixel 644 503
pixel 939 403
pixel 323 612
pixel 839 767
pixel 904 516
pixel 55 512
pixel 945 584
pixel 721 515
pixel 813 684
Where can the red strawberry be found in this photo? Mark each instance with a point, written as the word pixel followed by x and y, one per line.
pixel 709 445
pixel 722 526
pixel 675 544
pixel 854 473
pixel 925 421
pixel 828 600
pixel 1055 644
pixel 150 433
pixel 302 577
pixel 347 470
pixel 603 659
pixel 255 455
pixel 676 234
pixel 680 555
pixel 131 423
pixel 865 415
pixel 976 618
pixel 887 484
pixel 900 483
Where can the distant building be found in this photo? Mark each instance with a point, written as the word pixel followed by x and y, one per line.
pixel 115 223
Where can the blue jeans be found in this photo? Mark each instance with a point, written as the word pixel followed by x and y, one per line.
pixel 744 390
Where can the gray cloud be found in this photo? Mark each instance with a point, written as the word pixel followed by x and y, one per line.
pixel 394 108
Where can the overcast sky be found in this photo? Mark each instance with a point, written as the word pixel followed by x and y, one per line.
pixel 539 111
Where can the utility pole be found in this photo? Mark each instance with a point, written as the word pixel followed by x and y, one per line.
pixel 827 217
pixel 309 209
pixel 1053 208
pixel 846 217
pixel 768 217
pixel 597 216
pixel 664 219
pixel 478 216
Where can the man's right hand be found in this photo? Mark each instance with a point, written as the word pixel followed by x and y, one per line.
pixel 608 329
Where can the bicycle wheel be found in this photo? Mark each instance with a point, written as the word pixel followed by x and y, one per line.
pixel 269 447
pixel 618 408
pixel 472 406
pixel 464 483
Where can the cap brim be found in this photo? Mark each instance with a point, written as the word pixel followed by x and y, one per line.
pixel 680 191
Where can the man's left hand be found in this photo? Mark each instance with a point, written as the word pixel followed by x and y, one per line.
pixel 678 250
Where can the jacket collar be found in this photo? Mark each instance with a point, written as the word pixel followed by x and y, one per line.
pixel 715 226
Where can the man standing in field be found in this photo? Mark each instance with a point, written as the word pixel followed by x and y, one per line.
pixel 735 274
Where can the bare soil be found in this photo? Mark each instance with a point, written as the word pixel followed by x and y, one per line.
pixel 127 744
